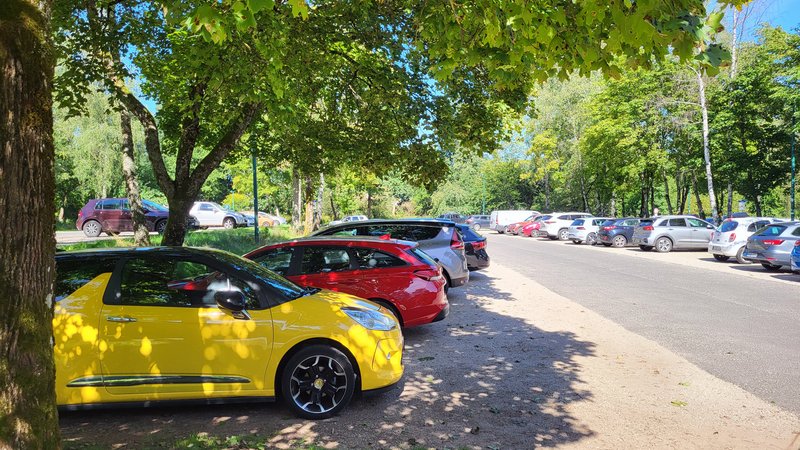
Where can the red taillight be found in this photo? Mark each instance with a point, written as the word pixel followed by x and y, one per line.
pixel 80 214
pixel 732 237
pixel 797 243
pixel 581 228
pixel 647 228
pixel 772 241
pixel 456 243
pixel 482 244
pixel 386 237
pixel 609 227
pixel 429 274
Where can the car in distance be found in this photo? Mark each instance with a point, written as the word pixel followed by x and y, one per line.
pixel 516 228
pixel 453 216
pixel 264 219
pixel 438 238
pixel 478 221
pixel 347 219
pixel 499 220
pixel 731 237
pixel 212 214
pixel 532 229
pixel 585 230
pixel 395 274
pixel 772 245
pixel 113 216
pixel 666 233
pixel 619 232
pixel 146 325
pixel 474 248
pixel 557 226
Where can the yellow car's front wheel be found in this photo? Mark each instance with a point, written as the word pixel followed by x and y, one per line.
pixel 318 382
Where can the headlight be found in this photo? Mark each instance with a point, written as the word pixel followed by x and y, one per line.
pixel 371 320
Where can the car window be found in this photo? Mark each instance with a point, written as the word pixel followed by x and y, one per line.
pixel 110 205
pixel 772 230
pixel 564 217
pixel 322 259
pixel 577 222
pixel 367 258
pixel 630 222
pixel 697 223
pixel 796 231
pixel 73 275
pixel 176 283
pixel 344 232
pixel 405 232
pixel 125 206
pixel 730 225
pixel 205 207
pixel 277 260
pixel 677 222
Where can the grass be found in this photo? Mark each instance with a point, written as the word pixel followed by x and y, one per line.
pixel 66 225
pixel 238 241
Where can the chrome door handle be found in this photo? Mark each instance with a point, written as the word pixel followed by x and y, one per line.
pixel 123 319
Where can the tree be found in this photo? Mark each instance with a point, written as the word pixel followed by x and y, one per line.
pixel 28 416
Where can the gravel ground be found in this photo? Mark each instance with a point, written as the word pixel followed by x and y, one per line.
pixel 514 366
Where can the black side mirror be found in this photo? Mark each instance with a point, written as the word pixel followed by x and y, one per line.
pixel 230 300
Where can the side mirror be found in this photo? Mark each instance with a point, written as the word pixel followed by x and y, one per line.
pixel 230 300
pixel 710 227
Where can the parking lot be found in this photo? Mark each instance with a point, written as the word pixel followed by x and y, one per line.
pixel 554 345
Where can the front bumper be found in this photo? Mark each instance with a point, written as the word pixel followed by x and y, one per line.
pixel 577 235
pixel 385 367
pixel 460 281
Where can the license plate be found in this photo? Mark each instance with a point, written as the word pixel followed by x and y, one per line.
pixel 749 255
pixel 716 248
pixel 636 240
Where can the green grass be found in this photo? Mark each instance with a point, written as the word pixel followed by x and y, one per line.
pixel 238 241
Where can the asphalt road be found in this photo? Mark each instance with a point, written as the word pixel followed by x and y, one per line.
pixel 737 323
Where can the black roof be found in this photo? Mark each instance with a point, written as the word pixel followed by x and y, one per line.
pixel 421 221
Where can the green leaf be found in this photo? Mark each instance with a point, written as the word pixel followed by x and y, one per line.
pixel 260 5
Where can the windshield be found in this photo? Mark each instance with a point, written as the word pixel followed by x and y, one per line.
pixel 153 206
pixel 284 286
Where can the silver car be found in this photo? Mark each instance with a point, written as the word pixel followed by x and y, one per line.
pixel 666 233
pixel 772 245
pixel 557 226
pixel 585 230
pixel 731 237
pixel 438 238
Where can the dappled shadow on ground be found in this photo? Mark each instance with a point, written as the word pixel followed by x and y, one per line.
pixel 477 379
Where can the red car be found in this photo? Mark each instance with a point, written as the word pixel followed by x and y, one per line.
pixel 517 228
pixel 393 273
pixel 531 229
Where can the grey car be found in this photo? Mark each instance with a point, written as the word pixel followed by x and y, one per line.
pixel 438 238
pixel 772 245
pixel 666 233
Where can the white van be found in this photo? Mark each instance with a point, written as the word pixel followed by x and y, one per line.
pixel 501 219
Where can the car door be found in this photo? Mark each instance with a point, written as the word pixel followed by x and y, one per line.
pixel 327 267
pixel 125 217
pixel 378 274
pixel 701 233
pixel 679 232
pixel 110 214
pixel 164 336
pixel 205 214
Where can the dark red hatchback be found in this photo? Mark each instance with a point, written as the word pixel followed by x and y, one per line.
pixel 393 273
pixel 112 216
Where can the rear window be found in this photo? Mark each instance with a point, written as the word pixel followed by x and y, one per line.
pixel 729 225
pixel 772 230
pixel 545 217
pixel 608 223
pixel 405 232
pixel 577 222
pixel 422 256
pixel 469 235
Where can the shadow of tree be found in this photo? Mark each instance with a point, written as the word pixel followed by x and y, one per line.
pixel 477 379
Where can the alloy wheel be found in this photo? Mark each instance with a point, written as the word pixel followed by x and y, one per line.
pixel 318 384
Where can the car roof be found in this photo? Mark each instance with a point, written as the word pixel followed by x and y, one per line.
pixel 351 239
pixel 420 221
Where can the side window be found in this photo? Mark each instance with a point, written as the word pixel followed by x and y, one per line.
pixel 677 222
pixel 367 258
pixel 321 259
pixel 110 205
pixel 631 223
pixel 125 206
pixel 205 207
pixel 277 260
pixel 345 232
pixel 73 275
pixel 177 283
pixel 565 217
pixel 696 223
pixel 752 227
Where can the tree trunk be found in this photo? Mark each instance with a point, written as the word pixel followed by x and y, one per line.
pixel 297 200
pixel 318 204
pixel 758 205
pixel 700 210
pixel 547 192
pixel 730 198
pixel 369 203
pixel 734 43
pixel 308 225
pixel 643 197
pixel 141 236
pixel 614 203
pixel 179 207
pixel 333 208
pixel 701 88
pixel 666 194
pixel 28 415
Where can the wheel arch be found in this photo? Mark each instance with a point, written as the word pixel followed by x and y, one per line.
pixel 315 341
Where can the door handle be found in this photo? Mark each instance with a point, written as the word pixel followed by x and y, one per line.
pixel 123 319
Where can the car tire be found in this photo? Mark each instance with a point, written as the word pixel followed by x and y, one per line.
pixel 563 234
pixel 576 241
pixel 740 257
pixel 663 245
pixel 591 239
pixel 619 241
pixel 771 267
pixel 92 228
pixel 229 223
pixel 721 258
pixel 476 227
pixel 161 225
pixel 645 248
pixel 446 282
pixel 318 382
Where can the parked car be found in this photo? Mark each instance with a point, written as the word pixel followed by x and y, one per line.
pixel 395 274
pixel 516 228
pixel 585 230
pixel 557 226
pixel 772 245
pixel 666 233
pixel 619 232
pixel 453 216
pixel 264 219
pixel 438 238
pixel 731 237
pixel 532 229
pixel 135 326
pixel 113 216
pixel 499 220
pixel 347 219
pixel 277 219
pixel 794 259
pixel 212 214
pixel 478 221
pixel 474 248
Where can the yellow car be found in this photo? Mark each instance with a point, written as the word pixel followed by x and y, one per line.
pixel 140 326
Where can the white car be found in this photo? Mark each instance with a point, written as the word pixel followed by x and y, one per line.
pixel 557 226
pixel 731 237
pixel 585 230
pixel 211 214
pixel 500 220
pixel 346 219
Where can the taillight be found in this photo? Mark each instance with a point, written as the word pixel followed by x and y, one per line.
pixel 609 228
pixel 772 241
pixel 647 228
pixel 456 243
pixel 80 214
pixel 385 237
pixel 429 274
pixel 482 244
pixel 732 237
pixel 797 243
